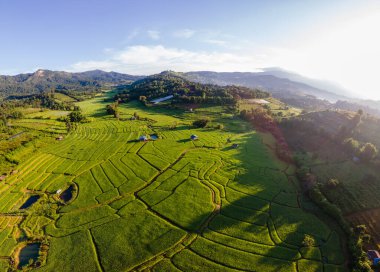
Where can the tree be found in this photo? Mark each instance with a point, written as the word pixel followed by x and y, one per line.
pixel 308 241
pixel 173 125
pixel 333 183
pixel 201 123
pixel 112 109
pixel 76 116
pixel 351 145
pixel 368 152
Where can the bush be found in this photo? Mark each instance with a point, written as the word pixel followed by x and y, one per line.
pixel 308 241
pixel 76 116
pixel 201 123
pixel 113 110
pixel 333 183
pixel 351 145
pixel 368 152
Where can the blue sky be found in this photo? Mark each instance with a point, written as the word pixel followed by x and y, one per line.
pixel 144 37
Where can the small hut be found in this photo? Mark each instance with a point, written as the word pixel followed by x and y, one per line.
pixel 194 137
pixel 235 146
pixel 59 138
pixel 2 177
pixel 373 256
pixel 143 138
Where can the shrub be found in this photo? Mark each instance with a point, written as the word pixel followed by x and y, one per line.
pixel 333 183
pixel 76 116
pixel 219 126
pixel 201 123
pixel 368 152
pixel 351 145
pixel 112 109
pixel 308 241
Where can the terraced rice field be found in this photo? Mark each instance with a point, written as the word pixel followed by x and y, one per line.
pixel 167 205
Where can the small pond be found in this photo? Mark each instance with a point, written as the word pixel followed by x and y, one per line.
pixel 30 251
pixel 67 194
pixel 31 200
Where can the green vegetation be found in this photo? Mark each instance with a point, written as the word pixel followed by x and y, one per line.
pixel 165 204
pixel 185 91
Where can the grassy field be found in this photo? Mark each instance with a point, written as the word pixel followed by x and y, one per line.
pixel 167 205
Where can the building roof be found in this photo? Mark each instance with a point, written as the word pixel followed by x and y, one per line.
pixel 258 101
pixel 161 99
pixel 373 254
pixel 193 136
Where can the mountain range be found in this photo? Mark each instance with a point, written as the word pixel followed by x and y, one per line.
pixel 282 84
pixel 46 80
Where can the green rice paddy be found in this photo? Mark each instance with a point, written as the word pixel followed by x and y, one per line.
pixel 167 205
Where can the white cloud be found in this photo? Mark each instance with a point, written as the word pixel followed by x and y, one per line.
pixel 93 65
pixel 184 33
pixel 153 34
pixel 141 59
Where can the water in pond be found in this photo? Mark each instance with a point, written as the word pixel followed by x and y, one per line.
pixel 67 194
pixel 30 251
pixel 153 137
pixel 31 200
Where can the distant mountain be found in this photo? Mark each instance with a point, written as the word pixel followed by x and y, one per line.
pixel 46 80
pixel 278 86
pixel 320 84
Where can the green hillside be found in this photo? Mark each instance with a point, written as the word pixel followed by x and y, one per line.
pixel 185 91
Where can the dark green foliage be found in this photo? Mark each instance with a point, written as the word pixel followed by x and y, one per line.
pixel 185 91
pixel 333 182
pixel 112 109
pixel 308 241
pixel 73 84
pixel 351 145
pixel 368 152
pixel 201 123
pixel 76 116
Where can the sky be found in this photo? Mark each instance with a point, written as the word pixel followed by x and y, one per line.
pixel 335 40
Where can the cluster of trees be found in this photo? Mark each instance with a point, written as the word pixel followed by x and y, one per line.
pixel 47 81
pixel 356 236
pixel 8 110
pixel 112 109
pixel 185 91
pixel 365 152
pixel 73 119
pixel 262 119
pixel 314 129
pixel 201 123
pixel 42 100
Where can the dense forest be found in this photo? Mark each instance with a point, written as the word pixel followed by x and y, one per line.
pixel 185 91
pixel 72 83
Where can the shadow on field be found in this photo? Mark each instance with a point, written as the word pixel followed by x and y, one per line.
pixel 253 223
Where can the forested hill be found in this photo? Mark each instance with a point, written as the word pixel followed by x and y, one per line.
pixel 186 91
pixel 46 80
pixel 279 87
